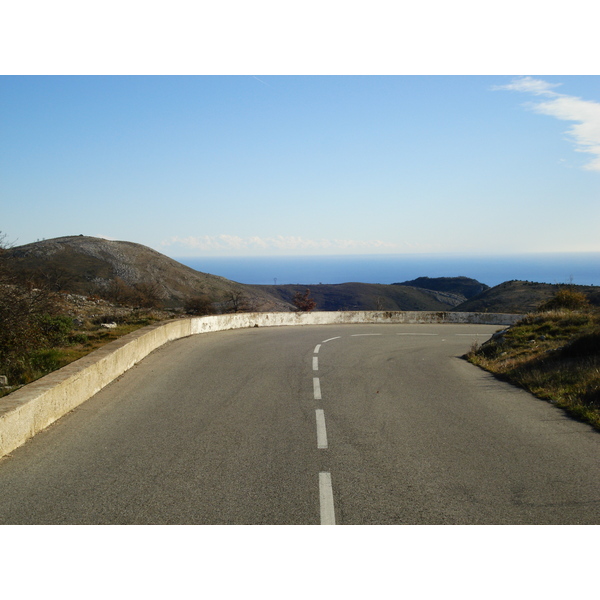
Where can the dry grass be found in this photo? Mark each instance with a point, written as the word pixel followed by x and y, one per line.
pixel 553 354
pixel 88 335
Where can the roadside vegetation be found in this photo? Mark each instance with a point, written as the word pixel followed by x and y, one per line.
pixel 554 353
pixel 42 330
pixel 44 327
pixel 38 336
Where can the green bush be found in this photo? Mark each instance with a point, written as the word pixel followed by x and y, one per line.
pixel 55 329
pixel 45 361
pixel 78 338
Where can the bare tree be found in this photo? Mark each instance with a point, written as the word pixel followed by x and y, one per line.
pixel 148 295
pixel 55 278
pixel 236 301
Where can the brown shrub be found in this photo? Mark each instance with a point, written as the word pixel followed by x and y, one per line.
pixel 565 298
pixel 303 302
pixel 199 306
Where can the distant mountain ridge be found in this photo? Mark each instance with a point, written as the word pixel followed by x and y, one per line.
pixel 89 265
pixel 520 297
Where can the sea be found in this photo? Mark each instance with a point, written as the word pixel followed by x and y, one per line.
pixel 563 268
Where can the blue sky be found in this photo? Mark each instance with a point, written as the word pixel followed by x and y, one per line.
pixel 281 165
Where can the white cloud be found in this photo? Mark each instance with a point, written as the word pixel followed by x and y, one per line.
pixel 585 133
pixel 280 242
pixel 529 84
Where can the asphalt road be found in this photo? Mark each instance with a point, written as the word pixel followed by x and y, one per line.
pixel 366 424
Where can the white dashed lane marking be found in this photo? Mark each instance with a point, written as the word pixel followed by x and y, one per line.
pixel 416 334
pixel 364 334
pixel 316 388
pixel 325 487
pixel 321 430
pixel 326 499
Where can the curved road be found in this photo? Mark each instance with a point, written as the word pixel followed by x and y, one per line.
pixel 365 424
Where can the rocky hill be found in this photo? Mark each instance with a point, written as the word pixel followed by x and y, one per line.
pixel 520 297
pixel 93 266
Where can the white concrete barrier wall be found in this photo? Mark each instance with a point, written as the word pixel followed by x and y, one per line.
pixel 27 411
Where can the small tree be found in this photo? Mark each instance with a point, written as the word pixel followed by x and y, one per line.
pixel 236 301
pixel 118 292
pixel 303 302
pixel 148 295
pixel 199 306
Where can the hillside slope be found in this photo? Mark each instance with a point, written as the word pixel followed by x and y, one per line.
pixel 463 287
pixel 89 265
pixel 365 296
pixel 553 353
pixel 519 297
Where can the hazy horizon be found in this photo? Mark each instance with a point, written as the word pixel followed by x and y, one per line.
pixel 563 268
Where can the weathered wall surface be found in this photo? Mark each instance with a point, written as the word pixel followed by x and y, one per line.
pixel 235 321
pixel 35 406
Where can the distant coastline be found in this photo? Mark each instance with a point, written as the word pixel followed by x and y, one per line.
pixel 578 268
